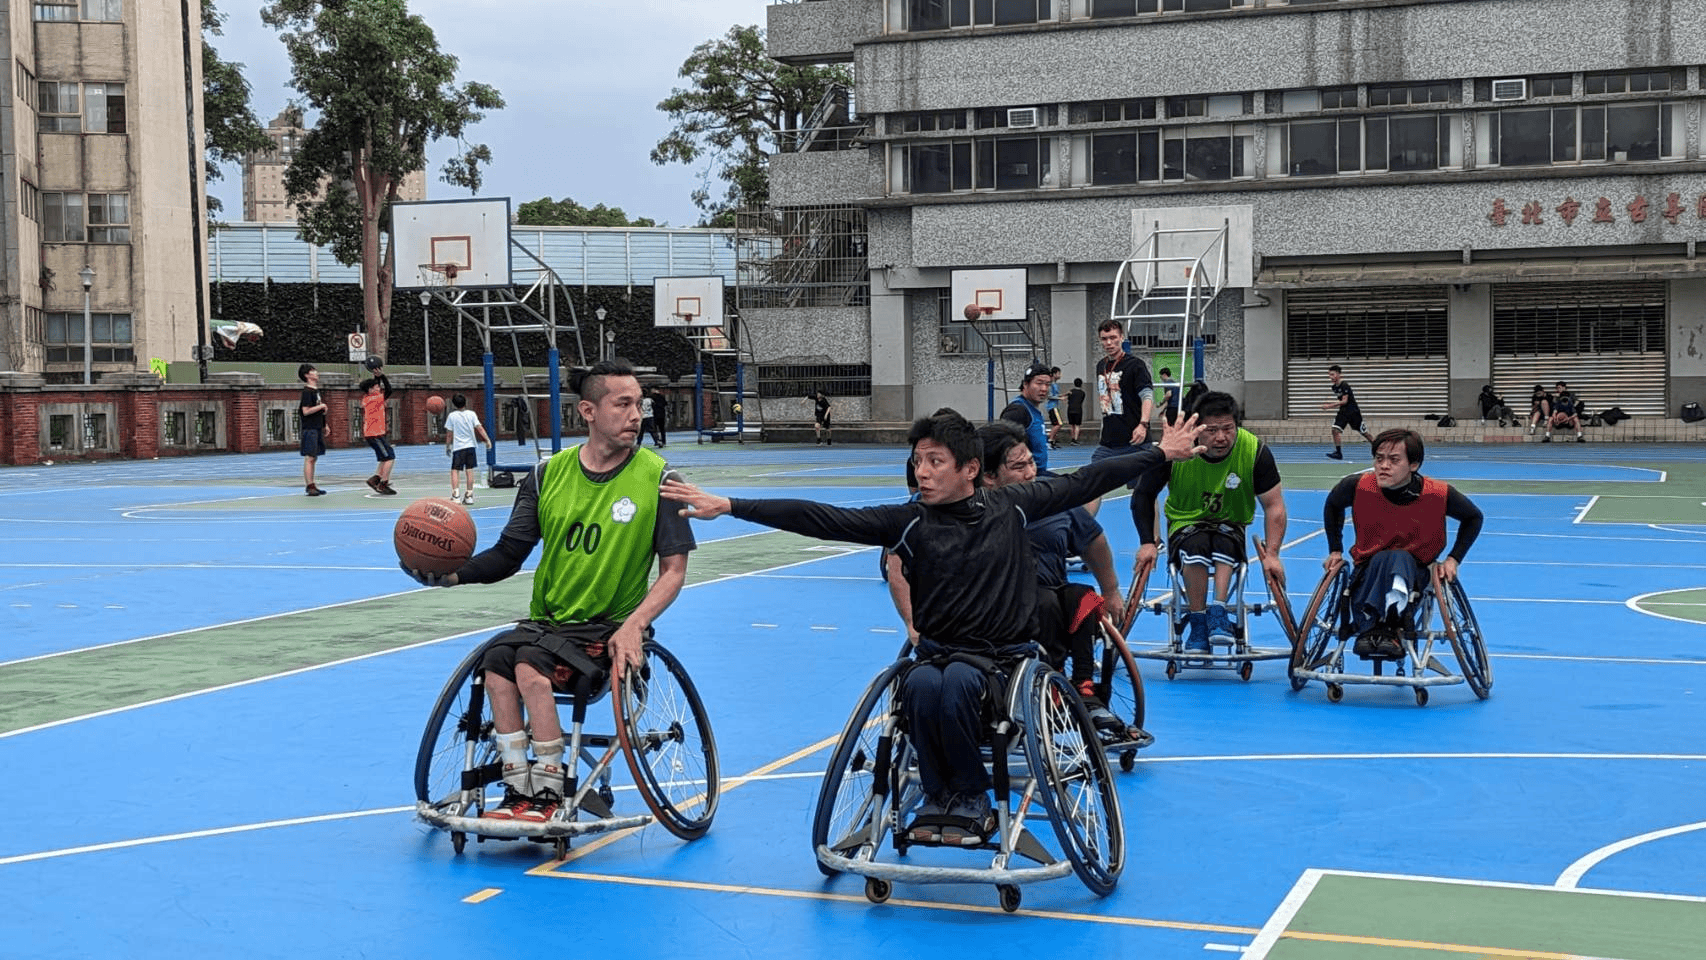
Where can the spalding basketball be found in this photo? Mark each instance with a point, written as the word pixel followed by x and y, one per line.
pixel 435 405
pixel 973 312
pixel 435 535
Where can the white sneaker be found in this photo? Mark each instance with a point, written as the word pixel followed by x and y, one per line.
pixel 468 499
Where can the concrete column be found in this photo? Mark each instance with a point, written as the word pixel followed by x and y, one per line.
pixel 1469 319
pixel 1686 335
pixel 891 352
pixel 1070 334
pixel 1264 355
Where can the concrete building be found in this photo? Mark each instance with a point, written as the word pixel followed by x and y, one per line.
pixel 101 101
pixel 1439 194
pixel 264 198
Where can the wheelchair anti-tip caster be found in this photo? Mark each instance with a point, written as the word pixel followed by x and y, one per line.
pixel 1335 692
pixel 1010 896
pixel 1421 696
pixel 877 891
pixel 458 840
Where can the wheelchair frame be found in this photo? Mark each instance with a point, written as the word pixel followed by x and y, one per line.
pixel 1123 696
pixel 658 718
pixel 871 790
pixel 1237 654
pixel 1319 650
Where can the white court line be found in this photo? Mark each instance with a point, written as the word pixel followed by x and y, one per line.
pixel 1632 601
pixel 1586 508
pixel 1573 874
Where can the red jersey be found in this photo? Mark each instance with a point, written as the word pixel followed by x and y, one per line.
pixel 1418 528
pixel 373 414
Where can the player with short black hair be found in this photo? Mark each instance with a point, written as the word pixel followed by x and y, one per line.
pixel 1350 415
pixel 312 407
pixel 1026 411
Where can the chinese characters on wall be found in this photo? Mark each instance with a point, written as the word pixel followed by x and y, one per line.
pixel 1603 210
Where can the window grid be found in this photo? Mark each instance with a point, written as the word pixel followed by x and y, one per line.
pixel 1001 163
pixel 58 107
pixel 109 337
pixel 62 11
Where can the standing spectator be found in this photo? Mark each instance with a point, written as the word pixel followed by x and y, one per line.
pixel 1350 415
pixel 1075 408
pixel 1170 388
pixel 1026 411
pixel 375 390
pixel 1493 407
pixel 313 411
pixel 820 417
pixel 660 418
pixel 461 429
pixel 1566 412
pixel 1126 395
pixel 1053 407
pixel 649 408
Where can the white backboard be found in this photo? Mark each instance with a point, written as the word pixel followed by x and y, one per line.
pixel 472 234
pixel 687 301
pixel 1204 224
pixel 1002 289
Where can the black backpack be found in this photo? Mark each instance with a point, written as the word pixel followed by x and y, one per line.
pixel 1614 416
pixel 1691 413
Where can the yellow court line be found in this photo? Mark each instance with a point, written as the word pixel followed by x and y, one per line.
pixel 919 904
pixel 483 895
pixel 1429 945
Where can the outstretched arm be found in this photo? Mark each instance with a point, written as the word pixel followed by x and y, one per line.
pixel 1050 495
pixel 872 526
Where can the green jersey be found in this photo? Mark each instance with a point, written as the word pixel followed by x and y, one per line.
pixel 597 538
pixel 1225 491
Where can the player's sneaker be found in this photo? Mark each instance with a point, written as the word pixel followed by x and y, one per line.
pixel 373 483
pixel 515 803
pixel 542 806
pixel 386 489
pixel 927 832
pixel 1219 622
pixel 976 808
pixel 314 491
pixel 1196 635
pixel 1336 455
pixel 1580 439
pixel 468 498
pixel 1546 439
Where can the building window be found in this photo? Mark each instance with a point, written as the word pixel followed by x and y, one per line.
pixel 275 428
pixel 57 108
pixel 60 10
pixel 1125 157
pixel 938 167
pixel 1401 94
pixel 109 338
pixel 921 122
pixel 1648 81
pixel 1114 111
pixel 29 197
pixel 1551 85
pixel 172 432
pixel 108 10
pixel 1209 152
pixel 59 431
pixel 103 108
pixel 1399 142
pixel 62 218
pixel 943 14
pixel 26 81
pixel 1130 8
pixel 206 428
pixel 94 431
pixel 1311 101
pixel 109 218
pixel 1229 105
pixel 1617 133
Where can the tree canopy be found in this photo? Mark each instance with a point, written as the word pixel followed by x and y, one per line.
pixel 546 212
pixel 736 108
pixel 230 127
pixel 382 90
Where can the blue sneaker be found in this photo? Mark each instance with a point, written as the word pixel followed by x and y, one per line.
pixel 1196 636
pixel 1219 623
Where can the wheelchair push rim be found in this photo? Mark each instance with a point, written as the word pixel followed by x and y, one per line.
pixel 1463 631
pixel 1074 779
pixel 666 736
pixel 853 805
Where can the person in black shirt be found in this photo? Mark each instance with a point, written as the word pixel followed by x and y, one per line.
pixel 1350 415
pixel 1539 408
pixel 820 418
pixel 313 410
pixel 1075 408
pixel 968 563
pixel 1493 406
pixel 1126 395
pixel 1566 412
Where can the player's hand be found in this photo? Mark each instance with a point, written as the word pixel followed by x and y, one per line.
pixel 1334 561
pixel 697 504
pixel 1140 433
pixel 1448 569
pixel 429 579
pixel 626 648
pixel 1114 605
pixel 1275 570
pixel 1179 440
pixel 1146 557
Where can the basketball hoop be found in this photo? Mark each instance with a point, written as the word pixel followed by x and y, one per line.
pixel 439 274
pixel 685 318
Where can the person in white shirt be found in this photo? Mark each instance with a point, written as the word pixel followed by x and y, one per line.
pixel 461 429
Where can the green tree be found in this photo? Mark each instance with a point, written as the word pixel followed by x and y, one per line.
pixel 382 90
pixel 231 128
pixel 546 212
pixel 737 106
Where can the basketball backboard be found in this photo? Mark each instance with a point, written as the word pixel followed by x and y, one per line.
pixel 1000 292
pixel 467 240
pixel 1197 229
pixel 687 301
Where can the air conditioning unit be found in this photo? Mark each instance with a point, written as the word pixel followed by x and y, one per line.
pixel 1510 89
pixel 1022 117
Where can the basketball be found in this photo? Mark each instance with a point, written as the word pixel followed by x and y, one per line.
pixel 435 535
pixel 435 405
pixel 973 312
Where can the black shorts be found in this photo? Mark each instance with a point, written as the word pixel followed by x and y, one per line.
pixel 381 448
pixel 463 459
pixel 823 421
pixel 523 644
pixel 313 442
pixel 1054 417
pixel 1349 418
pixel 1208 544
pixel 1075 417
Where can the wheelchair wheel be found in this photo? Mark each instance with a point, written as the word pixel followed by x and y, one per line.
pixel 667 739
pixel 458 717
pixel 1464 632
pixel 1318 628
pixel 847 798
pixel 1117 681
pixel 1074 778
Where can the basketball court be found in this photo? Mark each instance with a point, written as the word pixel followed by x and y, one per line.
pixel 219 686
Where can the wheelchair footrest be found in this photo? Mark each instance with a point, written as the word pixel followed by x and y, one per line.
pixel 516 829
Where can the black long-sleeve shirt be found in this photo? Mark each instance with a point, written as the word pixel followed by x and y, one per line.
pixel 969 563
pixel 1457 507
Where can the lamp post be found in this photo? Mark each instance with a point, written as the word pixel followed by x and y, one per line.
pixel 426 331
pixel 601 313
pixel 87 275
pixel 610 345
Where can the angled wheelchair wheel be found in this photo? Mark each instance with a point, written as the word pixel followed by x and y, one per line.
pixel 459 719
pixel 847 799
pixel 1467 644
pixel 667 739
pixel 1277 598
pixel 1117 681
pixel 1319 627
pixel 1074 778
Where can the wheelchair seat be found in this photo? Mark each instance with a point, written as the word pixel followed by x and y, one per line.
pixel 1232 652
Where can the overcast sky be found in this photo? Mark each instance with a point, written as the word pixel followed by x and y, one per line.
pixel 582 81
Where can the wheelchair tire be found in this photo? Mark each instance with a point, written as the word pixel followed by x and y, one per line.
pixel 1464 632
pixel 666 736
pixel 1117 681
pixel 443 751
pixel 1073 778
pixel 847 794
pixel 1317 630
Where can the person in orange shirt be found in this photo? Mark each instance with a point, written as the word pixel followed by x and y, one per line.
pixel 375 390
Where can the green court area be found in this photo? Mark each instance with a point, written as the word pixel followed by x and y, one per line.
pixel 1676 604
pixel 1356 916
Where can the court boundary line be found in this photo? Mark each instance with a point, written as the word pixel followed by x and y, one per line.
pixel 1573 874
pixel 1632 601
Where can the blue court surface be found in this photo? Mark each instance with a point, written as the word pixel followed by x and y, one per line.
pixel 212 689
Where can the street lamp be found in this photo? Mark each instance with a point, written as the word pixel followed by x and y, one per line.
pixel 87 275
pixel 426 331
pixel 601 313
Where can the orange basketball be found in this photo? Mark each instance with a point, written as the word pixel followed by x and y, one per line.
pixel 435 405
pixel 973 312
pixel 435 535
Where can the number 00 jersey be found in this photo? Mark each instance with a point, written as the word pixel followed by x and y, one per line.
pixel 596 556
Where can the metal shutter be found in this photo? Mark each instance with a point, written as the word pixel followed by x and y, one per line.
pixel 1391 343
pixel 1606 340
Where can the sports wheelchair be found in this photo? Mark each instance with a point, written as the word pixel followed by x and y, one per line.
pixel 661 729
pixel 1225 653
pixel 1120 686
pixel 1046 764
pixel 1439 612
